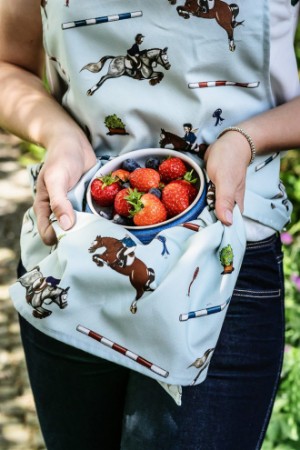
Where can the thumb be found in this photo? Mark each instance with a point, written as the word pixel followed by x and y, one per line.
pixel 55 184
pixel 62 208
pixel 54 201
pixel 224 206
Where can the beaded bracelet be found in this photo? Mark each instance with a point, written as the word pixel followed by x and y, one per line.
pixel 246 135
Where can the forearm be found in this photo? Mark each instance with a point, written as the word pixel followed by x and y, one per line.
pixel 277 129
pixel 274 130
pixel 30 112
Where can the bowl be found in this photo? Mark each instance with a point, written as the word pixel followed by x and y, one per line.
pixel 147 233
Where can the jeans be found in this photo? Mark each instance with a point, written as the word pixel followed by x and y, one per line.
pixel 86 403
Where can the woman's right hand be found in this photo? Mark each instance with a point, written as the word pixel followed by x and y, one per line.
pixel 67 159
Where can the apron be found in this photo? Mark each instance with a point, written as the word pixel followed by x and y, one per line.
pixel 155 308
pixel 199 73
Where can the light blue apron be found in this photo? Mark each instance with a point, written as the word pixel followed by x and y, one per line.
pixel 157 308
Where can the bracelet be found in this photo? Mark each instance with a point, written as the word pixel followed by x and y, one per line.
pixel 246 135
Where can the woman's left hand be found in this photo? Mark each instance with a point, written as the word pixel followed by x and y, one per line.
pixel 227 160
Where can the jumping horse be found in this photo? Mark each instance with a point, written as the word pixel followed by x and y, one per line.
pixel 224 13
pixel 122 66
pixel 122 259
pixel 42 291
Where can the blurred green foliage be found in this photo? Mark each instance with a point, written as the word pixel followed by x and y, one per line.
pixel 284 428
pixel 31 153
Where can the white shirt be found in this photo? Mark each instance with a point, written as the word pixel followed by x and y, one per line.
pixel 283 65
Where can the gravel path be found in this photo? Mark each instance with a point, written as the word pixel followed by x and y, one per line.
pixel 19 428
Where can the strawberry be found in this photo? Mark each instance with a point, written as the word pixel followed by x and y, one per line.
pixel 121 206
pixel 172 169
pixel 124 199
pixel 144 179
pixel 175 197
pixel 191 190
pixel 148 210
pixel 122 174
pixel 104 189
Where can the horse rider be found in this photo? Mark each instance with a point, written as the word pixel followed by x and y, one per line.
pixel 189 135
pixel 126 255
pixel 206 5
pixel 134 54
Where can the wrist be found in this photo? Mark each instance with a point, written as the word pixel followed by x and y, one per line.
pixel 246 136
pixel 55 134
pixel 70 142
pixel 230 146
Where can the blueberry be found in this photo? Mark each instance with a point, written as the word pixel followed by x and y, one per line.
pixel 155 191
pixel 152 163
pixel 130 165
pixel 106 214
pixel 121 220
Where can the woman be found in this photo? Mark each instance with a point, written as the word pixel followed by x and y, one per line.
pixel 82 401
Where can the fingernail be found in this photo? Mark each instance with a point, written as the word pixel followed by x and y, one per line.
pixel 65 222
pixel 228 215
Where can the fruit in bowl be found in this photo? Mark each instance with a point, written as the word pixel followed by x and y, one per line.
pixel 148 190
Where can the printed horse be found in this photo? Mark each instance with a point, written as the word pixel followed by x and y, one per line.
pixel 222 12
pixel 40 291
pixel 122 66
pixel 122 259
pixel 171 140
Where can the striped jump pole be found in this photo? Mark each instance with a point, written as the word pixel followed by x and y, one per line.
pixel 124 351
pixel 204 312
pixel 266 162
pixel 206 84
pixel 191 226
pixel 102 19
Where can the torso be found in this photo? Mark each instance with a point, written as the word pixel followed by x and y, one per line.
pixel 185 53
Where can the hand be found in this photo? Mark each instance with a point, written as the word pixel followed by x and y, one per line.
pixel 66 161
pixel 227 160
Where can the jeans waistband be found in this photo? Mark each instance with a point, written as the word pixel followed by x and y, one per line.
pixel 268 242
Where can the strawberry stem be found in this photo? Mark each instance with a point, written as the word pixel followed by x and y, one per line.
pixel 188 177
pixel 134 199
pixel 107 180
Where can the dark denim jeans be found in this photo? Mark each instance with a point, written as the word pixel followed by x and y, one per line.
pixel 86 403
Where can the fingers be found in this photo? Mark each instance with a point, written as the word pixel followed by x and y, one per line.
pixel 46 231
pixel 226 198
pixel 61 206
pixel 43 211
pixel 51 198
